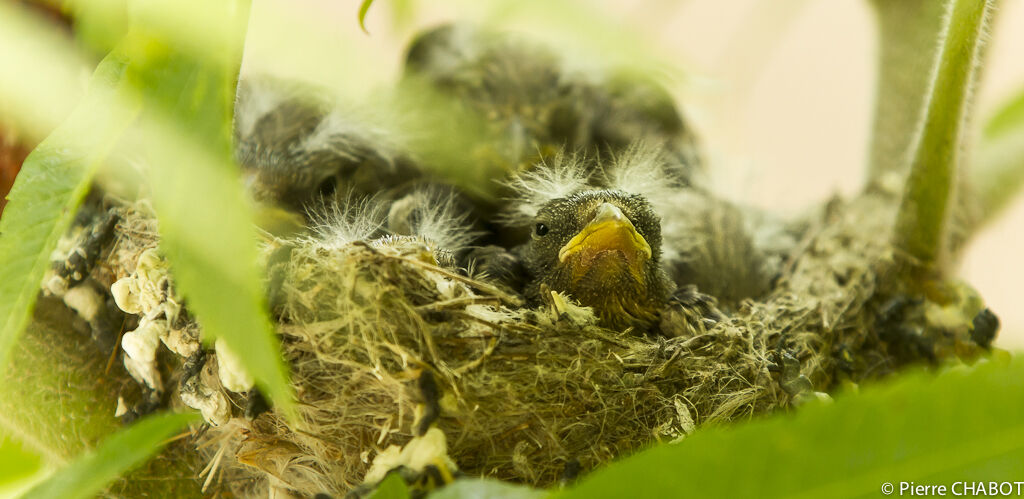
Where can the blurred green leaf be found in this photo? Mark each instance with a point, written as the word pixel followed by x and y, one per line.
pixel 39 100
pixel 392 487
pixel 55 397
pixel 185 133
pixel 99 24
pixel 921 222
pixel 52 184
pixel 16 462
pixel 363 9
pixel 1008 119
pixel 123 451
pixel 997 170
pixel 206 225
pixel 403 12
pixel 964 425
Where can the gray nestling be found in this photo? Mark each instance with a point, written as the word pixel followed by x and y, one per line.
pixel 540 107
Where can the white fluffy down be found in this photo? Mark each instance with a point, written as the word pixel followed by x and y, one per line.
pixel 550 180
pixel 641 169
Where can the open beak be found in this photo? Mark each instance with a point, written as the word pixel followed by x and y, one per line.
pixel 609 231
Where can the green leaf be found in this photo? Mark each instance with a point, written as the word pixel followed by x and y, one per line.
pixel 206 226
pixel 997 172
pixel 47 192
pixel 921 222
pixel 403 13
pixel 16 462
pixel 35 102
pixel 55 397
pixel 123 451
pixel 1008 119
pixel 392 487
pixel 963 425
pixel 363 9
pixel 99 24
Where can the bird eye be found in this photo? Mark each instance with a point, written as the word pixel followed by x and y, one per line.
pixel 328 186
pixel 541 229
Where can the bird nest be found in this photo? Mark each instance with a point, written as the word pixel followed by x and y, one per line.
pixel 386 347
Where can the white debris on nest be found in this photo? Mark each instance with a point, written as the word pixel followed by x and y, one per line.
pixel 122 408
pixel 420 452
pixel 201 393
pixel 147 292
pixel 233 375
pixel 84 300
pixel 564 307
pixel 140 353
pixel 53 283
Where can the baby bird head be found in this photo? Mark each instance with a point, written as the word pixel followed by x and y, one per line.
pixel 598 239
pixel 603 247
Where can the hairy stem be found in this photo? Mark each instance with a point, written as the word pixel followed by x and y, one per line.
pixel 921 221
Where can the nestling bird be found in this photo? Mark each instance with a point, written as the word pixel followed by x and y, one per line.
pixel 296 147
pixel 597 237
pixel 618 225
pixel 305 155
pixel 538 106
pixel 603 247
pixel 640 249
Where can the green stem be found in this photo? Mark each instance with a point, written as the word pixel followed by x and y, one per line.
pixel 921 222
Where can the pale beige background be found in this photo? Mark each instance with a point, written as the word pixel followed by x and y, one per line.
pixel 780 90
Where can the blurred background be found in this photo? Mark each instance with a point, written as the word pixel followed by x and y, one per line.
pixel 780 91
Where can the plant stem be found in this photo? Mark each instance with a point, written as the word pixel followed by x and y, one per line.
pixel 921 221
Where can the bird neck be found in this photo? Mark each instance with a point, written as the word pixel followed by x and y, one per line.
pixel 622 301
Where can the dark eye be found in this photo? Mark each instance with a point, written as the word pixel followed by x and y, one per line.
pixel 541 229
pixel 328 186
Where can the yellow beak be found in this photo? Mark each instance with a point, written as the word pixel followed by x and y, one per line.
pixel 610 230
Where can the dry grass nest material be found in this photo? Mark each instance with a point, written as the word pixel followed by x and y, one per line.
pixel 526 393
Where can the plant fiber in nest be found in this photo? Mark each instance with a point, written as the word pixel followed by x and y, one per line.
pixel 526 392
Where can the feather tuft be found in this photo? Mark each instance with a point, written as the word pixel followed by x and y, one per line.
pixel 339 221
pixel 555 178
pixel 434 214
pixel 642 169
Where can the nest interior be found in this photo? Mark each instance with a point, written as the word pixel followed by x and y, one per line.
pixel 531 394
